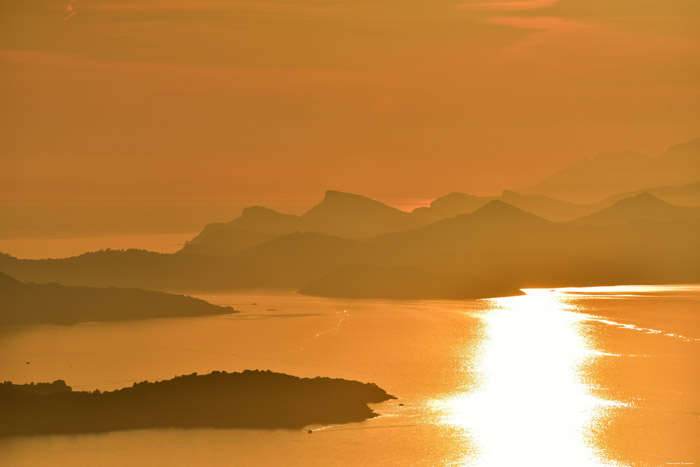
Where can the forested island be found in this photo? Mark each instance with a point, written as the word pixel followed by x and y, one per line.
pixel 250 399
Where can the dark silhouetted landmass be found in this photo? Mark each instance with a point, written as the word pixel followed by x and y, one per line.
pixel 616 172
pixel 131 268
pixel 287 261
pixel 401 282
pixel 251 399
pixel 224 241
pixel 22 303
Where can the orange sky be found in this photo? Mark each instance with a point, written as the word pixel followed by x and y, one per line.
pixel 242 100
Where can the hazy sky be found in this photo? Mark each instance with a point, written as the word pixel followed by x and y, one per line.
pixel 229 100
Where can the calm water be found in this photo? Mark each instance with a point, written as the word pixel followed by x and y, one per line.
pixel 599 376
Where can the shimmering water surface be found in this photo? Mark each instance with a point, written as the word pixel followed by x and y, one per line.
pixel 568 377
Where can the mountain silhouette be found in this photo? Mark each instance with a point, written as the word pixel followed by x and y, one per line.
pixel 549 208
pixel 354 216
pixel 499 249
pixel 491 223
pixel 264 220
pixel 358 217
pixel 615 172
pixel 224 241
pixel 338 214
pixel 255 225
pixel 494 249
pixel 643 206
pixel 455 204
pixel 22 303
pixel 684 195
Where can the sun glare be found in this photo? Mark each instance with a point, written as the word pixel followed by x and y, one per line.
pixel 532 406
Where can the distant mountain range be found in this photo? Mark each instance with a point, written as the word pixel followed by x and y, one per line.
pixel 494 250
pixel 686 195
pixel 642 206
pixel 357 217
pixel 338 214
pixel 614 172
pixel 22 303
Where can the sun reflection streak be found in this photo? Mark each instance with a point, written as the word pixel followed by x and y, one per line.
pixel 532 406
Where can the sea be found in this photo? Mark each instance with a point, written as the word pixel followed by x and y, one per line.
pixel 601 376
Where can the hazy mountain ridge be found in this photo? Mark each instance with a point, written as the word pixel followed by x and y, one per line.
pixel 338 214
pixel 643 206
pixel 460 246
pixel 496 248
pixel 358 217
pixel 614 172
pixel 685 195
pixel 500 248
pixel 549 208
pixel 224 240
pixel 22 303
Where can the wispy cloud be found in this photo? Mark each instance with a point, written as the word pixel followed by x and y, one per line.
pixel 545 29
pixel 552 24
pixel 186 5
pixel 515 13
pixel 70 10
pixel 509 5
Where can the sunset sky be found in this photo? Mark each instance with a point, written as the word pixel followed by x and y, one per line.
pixel 218 100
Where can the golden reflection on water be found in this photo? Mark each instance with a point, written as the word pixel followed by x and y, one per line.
pixel 532 406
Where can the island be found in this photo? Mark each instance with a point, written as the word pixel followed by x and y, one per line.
pixel 249 399
pixel 24 304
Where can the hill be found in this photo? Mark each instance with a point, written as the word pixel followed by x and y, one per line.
pixel 685 195
pixel 56 304
pixel 401 282
pixel 551 209
pixel 499 249
pixel 224 241
pixel 354 216
pixel 643 206
pixel 286 261
pixel 251 399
